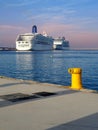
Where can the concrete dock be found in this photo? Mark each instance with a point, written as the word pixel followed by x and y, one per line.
pixel 28 105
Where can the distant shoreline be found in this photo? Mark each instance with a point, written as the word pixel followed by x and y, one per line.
pixel 74 49
pixel 7 49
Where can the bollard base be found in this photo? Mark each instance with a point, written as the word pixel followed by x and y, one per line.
pixel 76 88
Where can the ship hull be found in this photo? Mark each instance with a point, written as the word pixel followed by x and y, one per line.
pixel 60 47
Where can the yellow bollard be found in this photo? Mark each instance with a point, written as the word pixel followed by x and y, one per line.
pixel 76 81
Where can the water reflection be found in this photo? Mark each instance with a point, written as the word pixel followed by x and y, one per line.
pixel 23 64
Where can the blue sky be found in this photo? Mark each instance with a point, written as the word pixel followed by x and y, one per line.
pixel 77 20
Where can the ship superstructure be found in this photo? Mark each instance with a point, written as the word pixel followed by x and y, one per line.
pixel 34 41
pixel 60 44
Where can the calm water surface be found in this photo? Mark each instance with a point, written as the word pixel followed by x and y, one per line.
pixel 51 66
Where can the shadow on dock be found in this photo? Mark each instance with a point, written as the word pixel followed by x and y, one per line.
pixel 85 123
pixel 16 98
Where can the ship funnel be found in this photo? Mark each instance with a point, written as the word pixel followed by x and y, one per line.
pixel 34 29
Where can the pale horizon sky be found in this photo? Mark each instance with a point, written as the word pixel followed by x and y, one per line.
pixel 77 20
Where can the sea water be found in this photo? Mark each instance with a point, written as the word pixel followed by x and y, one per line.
pixel 51 66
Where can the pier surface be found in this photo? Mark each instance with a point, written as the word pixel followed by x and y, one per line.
pixel 28 105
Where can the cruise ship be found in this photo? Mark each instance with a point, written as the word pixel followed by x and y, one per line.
pixel 34 41
pixel 60 44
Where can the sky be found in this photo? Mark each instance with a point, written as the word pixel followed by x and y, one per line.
pixel 76 20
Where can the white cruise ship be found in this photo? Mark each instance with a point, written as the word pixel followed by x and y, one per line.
pixel 60 44
pixel 34 41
